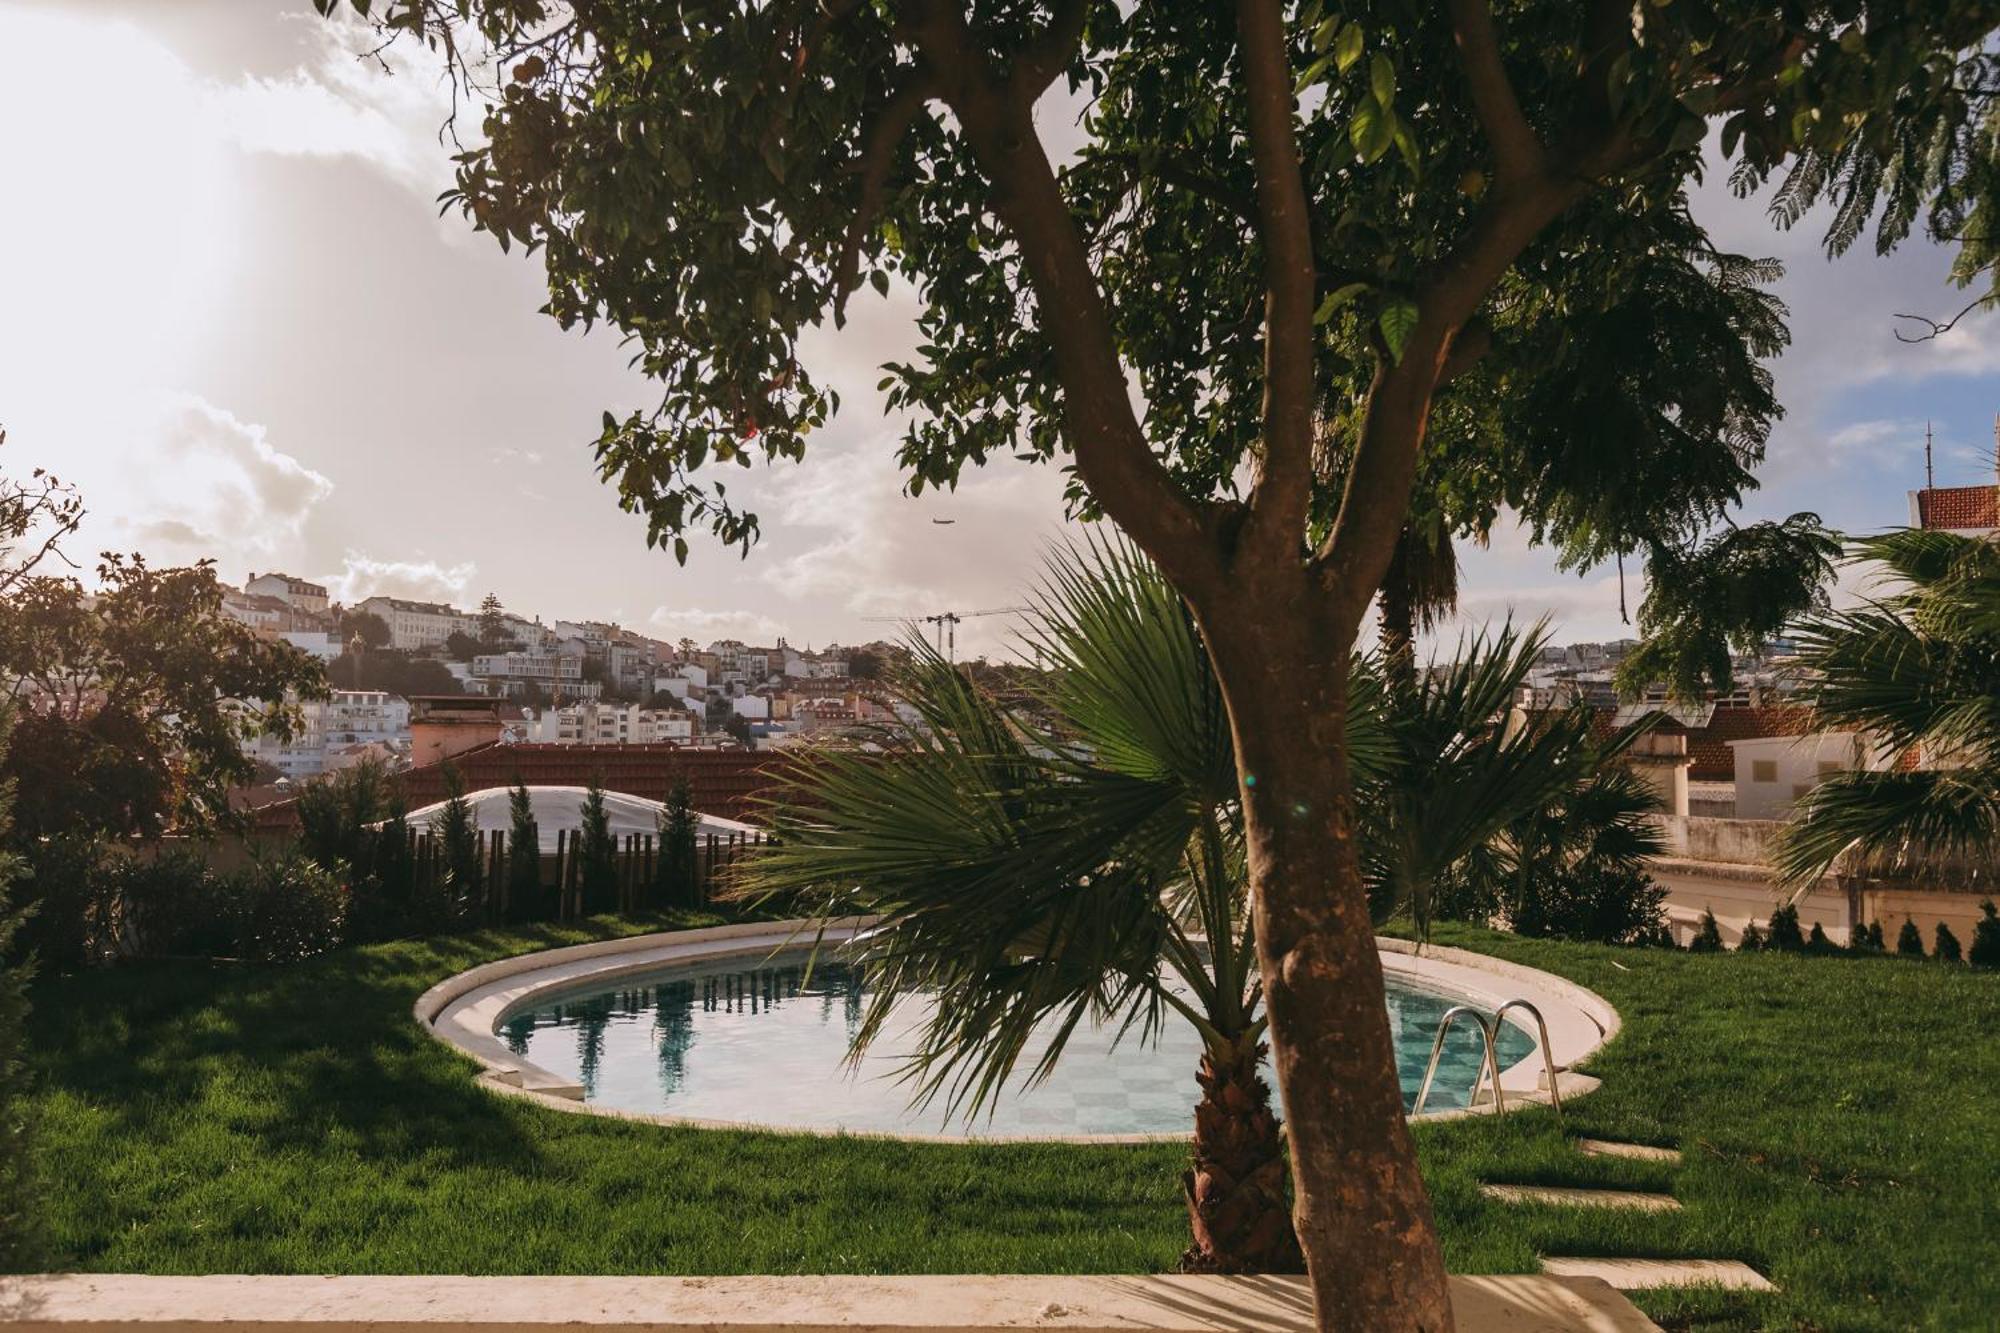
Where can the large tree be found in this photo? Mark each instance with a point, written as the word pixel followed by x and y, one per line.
pixel 1289 237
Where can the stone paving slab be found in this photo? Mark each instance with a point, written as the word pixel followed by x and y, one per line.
pixel 116 1303
pixel 1644 1274
pixel 1579 1197
pixel 1638 1152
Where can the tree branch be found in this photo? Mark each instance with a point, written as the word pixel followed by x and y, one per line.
pixel 1049 51
pixel 877 157
pixel 1283 491
pixel 1939 328
pixel 1112 454
pixel 1517 152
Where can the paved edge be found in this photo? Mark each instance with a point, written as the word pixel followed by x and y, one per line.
pixel 1525 1303
pixel 1654 1274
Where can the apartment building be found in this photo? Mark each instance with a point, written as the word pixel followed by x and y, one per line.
pixel 339 730
pixel 612 724
pixel 297 592
pixel 415 626
pixel 557 674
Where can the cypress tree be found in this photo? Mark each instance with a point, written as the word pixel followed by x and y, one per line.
pixel 1752 939
pixel 1986 938
pixel 1909 941
pixel 524 852
pixel 20 1233
pixel 1817 942
pixel 680 828
pixel 1945 948
pixel 458 847
pixel 1784 930
pixel 1708 939
pixel 597 853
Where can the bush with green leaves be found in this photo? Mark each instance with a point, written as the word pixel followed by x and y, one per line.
pixel 1868 938
pixel 1945 947
pixel 1708 936
pixel 1752 939
pixel 1605 904
pixel 596 853
pixel 1985 951
pixel 457 887
pixel 287 908
pixel 352 822
pixel 1818 943
pixel 1909 940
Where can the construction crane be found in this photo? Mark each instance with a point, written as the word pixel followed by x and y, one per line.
pixel 944 625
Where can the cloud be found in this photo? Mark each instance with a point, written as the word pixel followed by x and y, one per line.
pixel 214 485
pixel 705 626
pixel 384 109
pixel 362 576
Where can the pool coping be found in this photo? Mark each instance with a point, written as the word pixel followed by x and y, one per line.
pixel 466 1010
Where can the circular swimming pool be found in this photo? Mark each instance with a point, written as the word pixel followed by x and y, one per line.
pixel 763 1040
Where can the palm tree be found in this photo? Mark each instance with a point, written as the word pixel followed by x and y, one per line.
pixel 1918 671
pixel 1080 859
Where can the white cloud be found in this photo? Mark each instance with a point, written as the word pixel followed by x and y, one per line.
pixel 362 576
pixel 704 626
pixel 214 484
pixel 385 109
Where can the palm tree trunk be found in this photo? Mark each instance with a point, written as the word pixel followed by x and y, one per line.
pixel 1236 1198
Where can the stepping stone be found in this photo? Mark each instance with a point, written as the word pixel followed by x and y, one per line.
pixel 1644 1274
pixel 1638 1152
pixel 1582 1198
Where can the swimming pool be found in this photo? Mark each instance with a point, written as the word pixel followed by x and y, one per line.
pixel 761 1041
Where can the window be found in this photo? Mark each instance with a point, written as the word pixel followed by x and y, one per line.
pixel 1763 770
pixel 1828 767
pixel 1799 789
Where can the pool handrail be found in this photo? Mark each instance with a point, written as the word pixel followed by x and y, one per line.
pixel 1550 1071
pixel 1489 1062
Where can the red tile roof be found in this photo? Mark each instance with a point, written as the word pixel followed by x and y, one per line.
pixel 728 783
pixel 1711 759
pixel 1959 507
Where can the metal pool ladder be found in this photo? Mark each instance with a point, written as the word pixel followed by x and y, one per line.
pixel 1489 1064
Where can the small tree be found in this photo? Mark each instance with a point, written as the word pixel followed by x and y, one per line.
pixel 462 646
pixel 1817 942
pixel 1867 938
pixel 1708 938
pixel 457 833
pixel 597 852
pixel 19 1233
pixel 524 849
pixel 493 635
pixel 674 875
pixel 371 629
pixel 1909 941
pixel 1986 938
pixel 1752 939
pixel 1945 946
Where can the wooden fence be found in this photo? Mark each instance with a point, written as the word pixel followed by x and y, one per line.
pixel 561 893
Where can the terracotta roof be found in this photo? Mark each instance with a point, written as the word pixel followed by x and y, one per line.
pixel 1959 507
pixel 1709 755
pixel 728 783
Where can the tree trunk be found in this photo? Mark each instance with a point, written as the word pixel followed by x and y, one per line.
pixel 1361 1212
pixel 1235 1186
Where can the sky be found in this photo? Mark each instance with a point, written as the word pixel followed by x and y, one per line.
pixel 231 313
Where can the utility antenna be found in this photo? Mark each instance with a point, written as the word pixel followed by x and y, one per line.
pixel 1930 478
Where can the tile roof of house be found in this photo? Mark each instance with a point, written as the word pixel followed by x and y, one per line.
pixel 1711 759
pixel 1959 507
pixel 728 783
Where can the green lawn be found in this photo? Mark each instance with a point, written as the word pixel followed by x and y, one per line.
pixel 1838 1119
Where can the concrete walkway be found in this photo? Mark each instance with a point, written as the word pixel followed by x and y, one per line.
pixel 77 1302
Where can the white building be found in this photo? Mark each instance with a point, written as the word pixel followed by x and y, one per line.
pixel 612 724
pixel 414 626
pixel 292 591
pixel 325 644
pixel 336 731
pixel 1774 771
pixel 556 673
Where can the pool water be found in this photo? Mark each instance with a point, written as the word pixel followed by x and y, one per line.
pixel 761 1042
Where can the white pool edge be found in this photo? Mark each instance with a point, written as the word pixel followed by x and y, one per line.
pixel 466 1010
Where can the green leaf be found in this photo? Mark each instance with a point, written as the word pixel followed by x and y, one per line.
pixel 1324 34
pixel 1371 132
pixel 1312 74
pixel 1347 47
pixel 1398 322
pixel 1337 298
pixel 1382 79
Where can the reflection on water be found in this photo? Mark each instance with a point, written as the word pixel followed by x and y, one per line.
pixel 767 1043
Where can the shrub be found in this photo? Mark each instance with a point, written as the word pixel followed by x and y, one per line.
pixel 175 906
pixel 1784 930
pixel 1607 904
pixel 1944 947
pixel 1868 938
pixel 1986 938
pixel 1752 939
pixel 70 903
pixel 1909 941
pixel 1707 939
pixel 459 880
pixel 286 909
pixel 20 1233
pixel 1818 943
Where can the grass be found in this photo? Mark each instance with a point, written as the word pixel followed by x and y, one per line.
pixel 1836 1117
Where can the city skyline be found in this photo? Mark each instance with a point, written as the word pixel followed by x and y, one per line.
pixel 423 431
